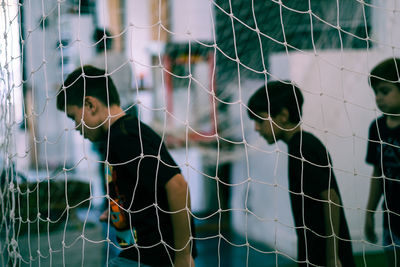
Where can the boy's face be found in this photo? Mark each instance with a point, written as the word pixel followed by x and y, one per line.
pixel 266 128
pixel 92 130
pixel 387 96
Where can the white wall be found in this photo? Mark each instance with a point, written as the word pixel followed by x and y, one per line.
pixel 386 21
pixel 138 39
pixel 191 19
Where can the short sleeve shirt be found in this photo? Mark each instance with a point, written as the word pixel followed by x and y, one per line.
pixel 141 167
pixel 383 152
pixel 310 174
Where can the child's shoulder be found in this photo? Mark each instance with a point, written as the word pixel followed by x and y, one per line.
pixel 379 121
pixel 306 141
pixel 380 125
pixel 124 129
pixel 304 137
pixel 306 145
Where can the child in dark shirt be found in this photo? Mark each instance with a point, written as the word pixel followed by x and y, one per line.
pixel 149 201
pixel 321 227
pixel 383 152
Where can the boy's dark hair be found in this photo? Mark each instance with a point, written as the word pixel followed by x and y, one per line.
pixel 386 71
pixel 277 95
pixel 87 81
pixel 98 35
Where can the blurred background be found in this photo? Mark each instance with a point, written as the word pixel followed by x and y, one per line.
pixel 187 69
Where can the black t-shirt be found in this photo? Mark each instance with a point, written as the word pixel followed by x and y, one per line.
pixel 384 153
pixel 140 166
pixel 310 172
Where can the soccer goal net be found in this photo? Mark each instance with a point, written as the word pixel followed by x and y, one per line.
pixel 187 69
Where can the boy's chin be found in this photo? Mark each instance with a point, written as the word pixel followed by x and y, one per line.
pixel 91 138
pixel 96 136
pixel 270 141
pixel 95 139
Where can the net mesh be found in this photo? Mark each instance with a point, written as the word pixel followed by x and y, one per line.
pixel 187 69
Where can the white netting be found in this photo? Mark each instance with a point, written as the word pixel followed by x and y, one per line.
pixel 187 69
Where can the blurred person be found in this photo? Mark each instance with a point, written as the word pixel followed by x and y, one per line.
pixel 149 200
pixel 383 153
pixel 323 237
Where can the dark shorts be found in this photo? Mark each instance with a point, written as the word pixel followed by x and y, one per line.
pixel 389 239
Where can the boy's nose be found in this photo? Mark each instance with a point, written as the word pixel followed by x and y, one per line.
pixel 78 126
pixel 378 97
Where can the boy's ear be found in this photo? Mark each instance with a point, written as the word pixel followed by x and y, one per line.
pixel 283 116
pixel 91 103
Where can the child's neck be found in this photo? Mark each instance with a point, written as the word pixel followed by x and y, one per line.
pixel 115 112
pixel 288 134
pixel 393 121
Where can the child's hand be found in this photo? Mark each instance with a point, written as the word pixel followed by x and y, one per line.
pixel 334 263
pixel 369 228
pixel 183 261
pixel 104 216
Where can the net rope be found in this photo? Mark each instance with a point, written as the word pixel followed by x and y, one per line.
pixel 50 184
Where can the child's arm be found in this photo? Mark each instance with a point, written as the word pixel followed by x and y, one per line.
pixel 332 225
pixel 375 194
pixel 179 202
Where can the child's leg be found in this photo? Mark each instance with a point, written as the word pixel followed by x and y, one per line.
pixel 393 257
pixel 392 252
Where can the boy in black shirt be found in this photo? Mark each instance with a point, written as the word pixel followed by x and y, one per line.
pixel 321 227
pixel 149 202
pixel 383 153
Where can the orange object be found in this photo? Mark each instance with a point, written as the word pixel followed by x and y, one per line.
pixel 119 217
